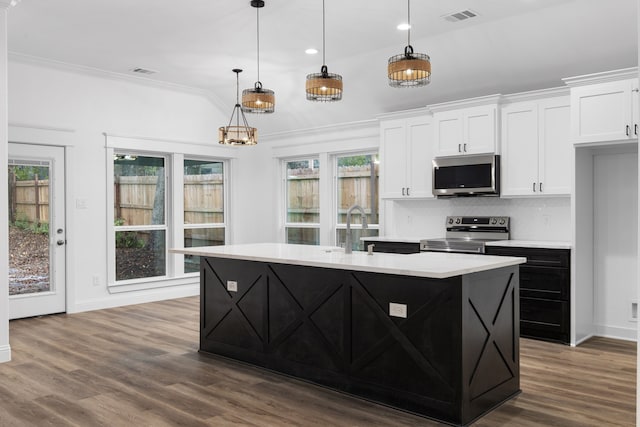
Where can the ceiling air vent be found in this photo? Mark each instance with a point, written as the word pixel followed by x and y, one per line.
pixel 460 16
pixel 142 71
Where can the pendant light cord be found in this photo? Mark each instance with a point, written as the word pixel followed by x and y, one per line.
pixel 324 59
pixel 409 22
pixel 258 38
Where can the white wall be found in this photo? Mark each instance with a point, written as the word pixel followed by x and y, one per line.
pixel 531 218
pixel 65 107
pixel 5 349
pixel 615 266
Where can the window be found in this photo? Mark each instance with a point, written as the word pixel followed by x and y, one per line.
pixel 356 184
pixel 302 199
pixel 162 201
pixel 140 221
pixel 204 219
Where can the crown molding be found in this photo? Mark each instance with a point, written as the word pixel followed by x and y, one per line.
pixel 464 103
pixel 534 95
pixel 405 114
pixel 606 76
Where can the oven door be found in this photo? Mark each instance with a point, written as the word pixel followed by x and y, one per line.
pixel 466 176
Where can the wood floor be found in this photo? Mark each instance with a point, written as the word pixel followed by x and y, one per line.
pixel 139 366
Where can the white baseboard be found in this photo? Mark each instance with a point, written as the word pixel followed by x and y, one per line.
pixel 138 297
pixel 5 353
pixel 580 341
pixel 627 334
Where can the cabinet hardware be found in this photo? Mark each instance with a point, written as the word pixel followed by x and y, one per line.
pixel 534 187
pixel 403 191
pixel 540 185
pixel 459 150
pixel 464 147
pixel 627 131
pixel 407 191
pixel 635 129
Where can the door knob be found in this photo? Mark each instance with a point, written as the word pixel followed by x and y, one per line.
pixel 60 242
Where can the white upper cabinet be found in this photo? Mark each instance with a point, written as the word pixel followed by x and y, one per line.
pixel 604 109
pixel 405 157
pixel 536 148
pixel 471 130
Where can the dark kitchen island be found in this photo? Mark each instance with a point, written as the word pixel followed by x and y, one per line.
pixel 435 334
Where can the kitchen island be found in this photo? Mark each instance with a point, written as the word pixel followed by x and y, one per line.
pixel 431 333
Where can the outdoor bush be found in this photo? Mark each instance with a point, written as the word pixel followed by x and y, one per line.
pixel 22 222
pixel 127 239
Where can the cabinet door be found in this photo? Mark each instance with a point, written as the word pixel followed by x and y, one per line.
pixel 555 147
pixel 519 162
pixel 393 154
pixel 479 132
pixel 420 156
pixel 601 112
pixel 448 133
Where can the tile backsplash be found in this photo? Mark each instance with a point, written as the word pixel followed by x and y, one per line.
pixel 547 218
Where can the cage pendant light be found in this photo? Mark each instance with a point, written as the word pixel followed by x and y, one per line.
pixel 240 133
pixel 324 86
pixel 258 100
pixel 409 69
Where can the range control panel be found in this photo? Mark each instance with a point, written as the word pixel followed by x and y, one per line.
pixel 479 221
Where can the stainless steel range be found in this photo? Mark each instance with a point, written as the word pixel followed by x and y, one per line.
pixel 468 234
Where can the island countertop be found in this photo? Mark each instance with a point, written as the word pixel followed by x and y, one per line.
pixel 437 265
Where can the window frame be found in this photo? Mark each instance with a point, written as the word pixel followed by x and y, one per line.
pixel 225 201
pixel 174 218
pixel 285 197
pixel 335 203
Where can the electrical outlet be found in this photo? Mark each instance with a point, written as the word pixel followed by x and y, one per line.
pixel 398 310
pixel 96 280
pixel 634 311
pixel 232 286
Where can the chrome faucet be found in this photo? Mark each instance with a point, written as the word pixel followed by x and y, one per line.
pixel 347 245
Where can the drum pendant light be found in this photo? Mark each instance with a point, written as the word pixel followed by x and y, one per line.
pixel 324 86
pixel 238 134
pixel 258 100
pixel 409 69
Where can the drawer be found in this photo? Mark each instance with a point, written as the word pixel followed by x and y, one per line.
pixel 544 282
pixel 393 247
pixel 542 318
pixel 535 256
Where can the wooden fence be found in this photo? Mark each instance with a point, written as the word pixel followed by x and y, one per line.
pixel 28 200
pixel 203 196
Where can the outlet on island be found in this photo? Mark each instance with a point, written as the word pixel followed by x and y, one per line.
pixel 398 310
pixel 232 286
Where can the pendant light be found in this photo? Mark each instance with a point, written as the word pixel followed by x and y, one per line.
pixel 258 100
pixel 324 86
pixel 238 134
pixel 409 69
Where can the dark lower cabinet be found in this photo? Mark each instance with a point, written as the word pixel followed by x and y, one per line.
pixel 544 292
pixel 453 355
pixel 393 247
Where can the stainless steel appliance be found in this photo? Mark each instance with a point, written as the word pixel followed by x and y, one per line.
pixel 468 234
pixel 466 176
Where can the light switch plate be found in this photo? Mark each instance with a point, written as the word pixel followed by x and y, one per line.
pixel 232 286
pixel 398 310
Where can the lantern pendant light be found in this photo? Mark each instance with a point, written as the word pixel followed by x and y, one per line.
pixel 324 86
pixel 409 69
pixel 238 134
pixel 258 100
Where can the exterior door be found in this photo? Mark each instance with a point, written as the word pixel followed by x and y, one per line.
pixel 36 230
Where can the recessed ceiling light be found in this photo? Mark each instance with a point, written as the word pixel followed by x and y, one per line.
pixel 403 27
pixel 311 51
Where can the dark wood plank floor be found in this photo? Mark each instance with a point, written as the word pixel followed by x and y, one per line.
pixel 139 366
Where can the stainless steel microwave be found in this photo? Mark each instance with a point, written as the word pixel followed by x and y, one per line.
pixel 466 176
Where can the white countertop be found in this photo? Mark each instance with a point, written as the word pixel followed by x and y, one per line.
pixel 530 244
pixel 438 265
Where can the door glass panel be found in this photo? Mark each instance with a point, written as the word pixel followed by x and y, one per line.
pixel 29 228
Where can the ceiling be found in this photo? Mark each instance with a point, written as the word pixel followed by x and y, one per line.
pixel 512 46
